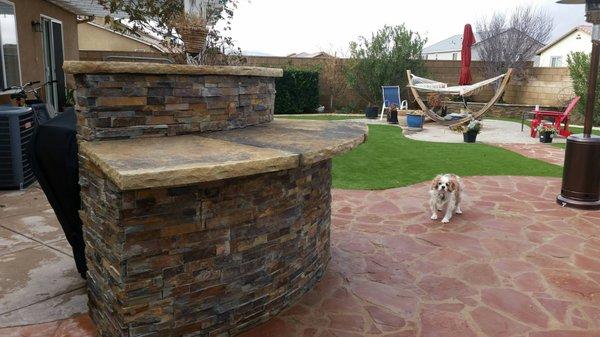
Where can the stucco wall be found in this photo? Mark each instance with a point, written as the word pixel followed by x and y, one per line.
pixel 577 41
pixel 30 42
pixel 97 38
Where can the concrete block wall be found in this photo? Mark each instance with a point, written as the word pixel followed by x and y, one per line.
pixel 541 86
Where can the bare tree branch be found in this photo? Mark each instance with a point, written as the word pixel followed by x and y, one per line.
pixel 511 40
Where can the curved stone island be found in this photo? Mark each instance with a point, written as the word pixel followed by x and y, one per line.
pixel 211 233
pixel 203 234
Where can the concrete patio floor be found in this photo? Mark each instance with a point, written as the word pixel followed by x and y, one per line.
pixel 493 132
pixel 514 264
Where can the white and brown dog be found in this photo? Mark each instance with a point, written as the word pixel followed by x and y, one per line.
pixel 446 191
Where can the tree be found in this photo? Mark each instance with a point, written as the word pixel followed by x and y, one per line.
pixel 511 40
pixel 579 68
pixel 160 17
pixel 383 60
pixel 334 75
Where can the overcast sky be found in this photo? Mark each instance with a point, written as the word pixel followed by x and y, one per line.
pixel 281 27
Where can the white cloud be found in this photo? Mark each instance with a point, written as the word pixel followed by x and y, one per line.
pixel 281 27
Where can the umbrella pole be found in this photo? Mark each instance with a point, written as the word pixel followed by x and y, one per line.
pixel 592 81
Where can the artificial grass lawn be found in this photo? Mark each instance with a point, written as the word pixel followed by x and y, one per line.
pixel 388 159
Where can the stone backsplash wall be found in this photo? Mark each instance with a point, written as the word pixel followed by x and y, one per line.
pixel 212 258
pixel 112 106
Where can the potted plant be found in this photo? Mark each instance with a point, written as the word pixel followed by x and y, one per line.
pixel 371 111
pixel 192 28
pixel 469 130
pixel 393 115
pixel 546 132
pixel 415 119
pixel 69 100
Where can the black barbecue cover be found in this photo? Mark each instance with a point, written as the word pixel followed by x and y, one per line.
pixel 53 155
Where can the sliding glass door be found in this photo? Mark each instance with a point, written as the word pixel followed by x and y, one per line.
pixel 52 36
pixel 10 72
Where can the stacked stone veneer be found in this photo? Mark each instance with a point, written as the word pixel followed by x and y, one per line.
pixel 209 259
pixel 136 105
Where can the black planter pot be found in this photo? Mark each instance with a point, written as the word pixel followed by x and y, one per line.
pixel 393 117
pixel 545 137
pixel 470 136
pixel 371 112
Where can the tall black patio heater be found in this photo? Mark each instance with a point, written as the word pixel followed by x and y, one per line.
pixel 581 176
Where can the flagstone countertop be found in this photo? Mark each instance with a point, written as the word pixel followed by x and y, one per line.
pixel 102 67
pixel 171 161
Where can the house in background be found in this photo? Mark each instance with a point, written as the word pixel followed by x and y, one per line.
pixel 36 37
pixel 449 49
pixel 98 36
pixel 578 39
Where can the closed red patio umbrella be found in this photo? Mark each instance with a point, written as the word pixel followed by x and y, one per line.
pixel 465 56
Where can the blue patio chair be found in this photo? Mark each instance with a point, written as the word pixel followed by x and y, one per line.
pixel 391 96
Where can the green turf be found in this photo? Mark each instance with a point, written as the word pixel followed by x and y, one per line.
pixel 577 130
pixel 320 117
pixel 388 159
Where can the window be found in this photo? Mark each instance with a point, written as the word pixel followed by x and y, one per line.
pixel 556 61
pixel 454 56
pixel 10 73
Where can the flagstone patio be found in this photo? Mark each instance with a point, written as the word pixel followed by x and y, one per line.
pixel 514 264
pixel 544 152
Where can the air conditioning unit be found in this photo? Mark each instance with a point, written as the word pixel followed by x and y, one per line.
pixel 16 130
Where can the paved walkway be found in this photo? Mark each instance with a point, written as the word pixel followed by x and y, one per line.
pixel 38 280
pixel 544 152
pixel 494 132
pixel 514 264
pixel 504 134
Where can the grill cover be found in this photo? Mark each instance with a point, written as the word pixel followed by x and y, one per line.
pixel 53 154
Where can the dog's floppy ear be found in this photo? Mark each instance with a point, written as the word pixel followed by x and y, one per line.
pixel 435 182
pixel 453 184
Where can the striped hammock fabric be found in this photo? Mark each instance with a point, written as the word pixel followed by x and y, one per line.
pixel 426 85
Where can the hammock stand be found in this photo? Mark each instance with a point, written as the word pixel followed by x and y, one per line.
pixel 433 86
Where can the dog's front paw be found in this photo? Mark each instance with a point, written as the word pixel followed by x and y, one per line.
pixel 458 211
pixel 434 217
pixel 445 220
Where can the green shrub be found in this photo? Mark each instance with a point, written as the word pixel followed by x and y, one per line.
pixel 579 68
pixel 297 92
pixel 383 60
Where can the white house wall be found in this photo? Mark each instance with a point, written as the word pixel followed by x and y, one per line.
pixel 566 46
pixel 447 56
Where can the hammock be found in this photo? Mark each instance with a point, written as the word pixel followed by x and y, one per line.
pixel 426 85
pixel 420 84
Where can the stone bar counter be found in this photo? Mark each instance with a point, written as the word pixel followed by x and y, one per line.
pixel 202 215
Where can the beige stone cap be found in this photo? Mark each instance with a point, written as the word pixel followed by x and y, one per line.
pixel 182 160
pixel 101 67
